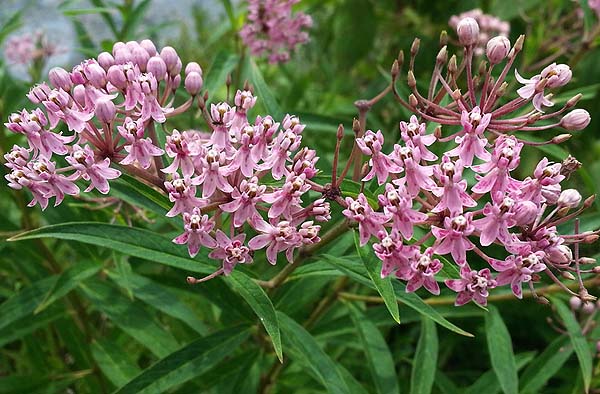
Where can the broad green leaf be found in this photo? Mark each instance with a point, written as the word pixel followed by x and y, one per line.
pixel 67 281
pixel 354 386
pixel 261 304
pixel 488 382
pixel 425 361
pixel 112 362
pixel 128 240
pixel 131 317
pixel 306 351
pixel 379 357
pixel 162 298
pixel 187 363
pixel 546 365
pixel 264 93
pixel 578 340
pixel 383 285
pixel 501 352
pixel 139 194
pixel 223 65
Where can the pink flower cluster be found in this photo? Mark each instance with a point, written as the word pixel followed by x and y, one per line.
pixel 271 29
pixel 460 203
pixel 110 106
pixel 489 26
pixel 27 48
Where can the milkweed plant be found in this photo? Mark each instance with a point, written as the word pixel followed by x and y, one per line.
pixel 443 205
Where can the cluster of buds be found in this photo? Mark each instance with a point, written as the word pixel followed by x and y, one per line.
pixel 111 105
pixel 28 48
pixel 467 199
pixel 272 30
pixel 488 26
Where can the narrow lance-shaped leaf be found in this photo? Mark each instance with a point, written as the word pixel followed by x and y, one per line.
pixel 128 240
pixel 379 357
pixel 580 345
pixel 383 285
pixel 307 351
pixel 501 352
pixel 189 362
pixel 425 361
pixel 546 365
pixel 261 304
pixel 113 364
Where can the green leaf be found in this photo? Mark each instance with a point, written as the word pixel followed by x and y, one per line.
pixel 546 365
pixel 129 240
pixel 307 351
pixel 25 301
pixel 223 65
pixel 189 362
pixel 133 19
pixel 488 382
pixel 264 93
pixel 383 285
pixel 379 357
pixel 28 324
pixel 354 28
pixel 162 298
pixel 67 281
pixel 425 361
pixel 501 352
pixel 139 194
pixel 131 317
pixel 261 304
pixel 580 345
pixel 112 362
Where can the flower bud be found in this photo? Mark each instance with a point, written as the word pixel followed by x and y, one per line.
pixel 193 67
pixel 175 82
pixel 573 100
pixel 525 212
pixel 157 67
pixel 79 94
pixel 122 55
pixel 38 93
pixel 149 47
pixel 60 79
pixel 193 83
pixel 588 308
pixel 497 49
pixel 116 46
pixel 95 75
pixel 105 60
pixel 560 254
pixel 169 55
pixel 468 31
pixel 105 110
pixel 140 57
pixel 569 198
pixel 575 303
pixel 116 77
pixel 577 119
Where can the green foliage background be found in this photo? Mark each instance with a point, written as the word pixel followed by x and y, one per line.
pixel 100 305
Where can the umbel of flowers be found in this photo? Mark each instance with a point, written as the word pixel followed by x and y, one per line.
pixel 460 219
pixel 102 114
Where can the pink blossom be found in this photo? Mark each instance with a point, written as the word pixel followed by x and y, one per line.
pixel 473 285
pixel 518 269
pixel 197 228
pixel 381 165
pixel 397 205
pixel 394 255
pixel 416 176
pixel 98 172
pixel 279 237
pixel 244 200
pixel 452 191
pixel 423 270
pixel 139 149
pixel 214 174
pixel 498 218
pixel 231 250
pixel 182 192
pixel 178 147
pixel 288 196
pixel 505 158
pixel 369 221
pixel 472 142
pixel 453 237
pixel 415 133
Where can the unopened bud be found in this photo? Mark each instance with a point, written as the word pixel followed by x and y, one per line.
pixel 596 270
pixel 414 48
pixel 577 119
pixel 140 57
pixel 400 58
pixel 468 31
pixel 395 70
pixel 365 170
pixel 170 57
pixel 193 83
pixel 410 79
pixel 559 139
pixel 589 201
pixel 157 67
pixel 442 55
pixel 497 49
pixel 412 101
pixel 340 132
pixel 105 60
pixel 193 67
pixel 519 43
pixel 542 300
pixel 456 95
pixel 563 212
pixel 588 308
pixel 569 198
pixel 574 100
pixel 525 212
pixel 452 66
pixel 105 110
pixel 534 117
pixel 355 126
pixel 587 260
pixel 482 67
pixel 438 132
pixel 443 38
pixel 575 303
pixel 149 47
pixel 501 91
pixel 590 239
pixel 60 79
pixel 567 275
pixel 228 80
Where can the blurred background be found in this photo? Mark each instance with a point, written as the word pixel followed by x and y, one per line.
pixel 76 318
